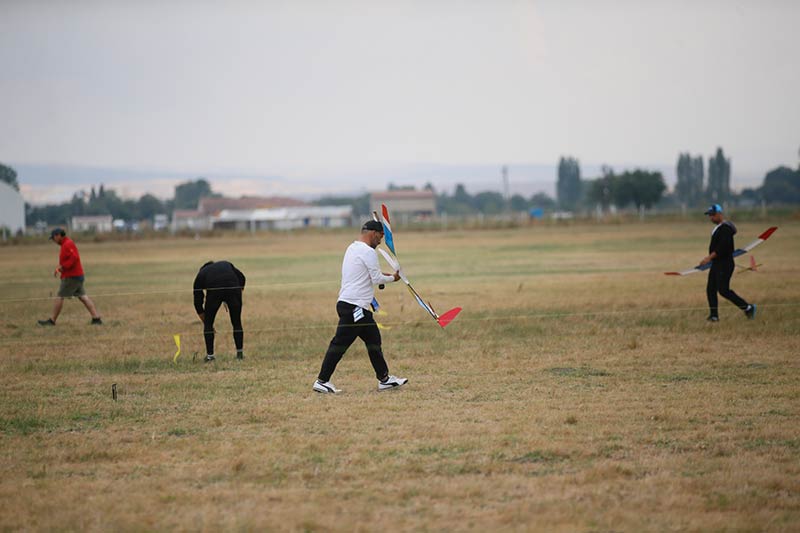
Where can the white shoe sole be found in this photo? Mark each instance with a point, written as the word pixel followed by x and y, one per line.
pixel 322 389
pixel 382 387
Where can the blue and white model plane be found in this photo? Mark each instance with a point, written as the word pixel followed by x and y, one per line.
pixel 736 253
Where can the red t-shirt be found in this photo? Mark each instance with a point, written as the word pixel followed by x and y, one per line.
pixel 69 259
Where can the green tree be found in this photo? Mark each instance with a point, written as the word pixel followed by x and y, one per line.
pixel 781 185
pixel 568 186
pixel 683 187
pixel 719 178
pixel 519 203
pixel 458 204
pixel 542 200
pixel 641 188
pixel 689 188
pixel 697 183
pixel 601 191
pixel 9 175
pixel 188 194
pixel 489 202
pixel 149 206
pixel 650 188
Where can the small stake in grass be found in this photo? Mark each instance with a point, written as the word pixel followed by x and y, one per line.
pixel 114 391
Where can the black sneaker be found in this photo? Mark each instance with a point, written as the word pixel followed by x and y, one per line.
pixel 48 322
pixel 240 355
pixel 750 312
pixel 713 318
pixel 209 358
pixel 97 321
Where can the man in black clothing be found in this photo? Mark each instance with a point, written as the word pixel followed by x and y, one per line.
pixel 720 255
pixel 222 282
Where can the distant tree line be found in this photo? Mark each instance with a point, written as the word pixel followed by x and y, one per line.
pixel 645 189
pixel 103 201
pixel 639 188
pixel 459 203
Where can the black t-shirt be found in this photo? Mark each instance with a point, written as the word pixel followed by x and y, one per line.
pixel 722 242
pixel 216 275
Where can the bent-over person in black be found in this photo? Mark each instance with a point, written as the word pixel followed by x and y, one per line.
pixel 720 255
pixel 222 283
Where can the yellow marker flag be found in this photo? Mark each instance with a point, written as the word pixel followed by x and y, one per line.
pixel 381 312
pixel 178 344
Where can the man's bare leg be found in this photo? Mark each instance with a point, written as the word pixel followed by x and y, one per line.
pixel 85 300
pixel 58 303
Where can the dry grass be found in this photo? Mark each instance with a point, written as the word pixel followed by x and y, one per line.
pixel 580 389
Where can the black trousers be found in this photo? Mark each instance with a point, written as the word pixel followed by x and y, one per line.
pixel 719 280
pixel 346 332
pixel 214 299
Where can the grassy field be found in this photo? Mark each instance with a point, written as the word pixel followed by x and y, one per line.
pixel 579 390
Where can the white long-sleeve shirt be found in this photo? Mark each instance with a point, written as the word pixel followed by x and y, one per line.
pixel 360 273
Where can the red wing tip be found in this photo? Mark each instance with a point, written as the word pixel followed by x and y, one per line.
pixel 446 318
pixel 767 233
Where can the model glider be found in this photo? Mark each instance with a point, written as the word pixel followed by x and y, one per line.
pixel 736 253
pixel 444 319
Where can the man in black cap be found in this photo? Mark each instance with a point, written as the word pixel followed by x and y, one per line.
pixel 71 272
pixel 720 255
pixel 223 283
pixel 360 273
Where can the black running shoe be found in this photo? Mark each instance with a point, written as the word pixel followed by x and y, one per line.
pixel 713 318
pixel 97 321
pixel 48 322
pixel 750 312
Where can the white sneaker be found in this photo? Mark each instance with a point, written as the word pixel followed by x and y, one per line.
pixel 392 382
pixel 325 387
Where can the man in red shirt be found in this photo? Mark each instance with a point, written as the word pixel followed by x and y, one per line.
pixel 69 266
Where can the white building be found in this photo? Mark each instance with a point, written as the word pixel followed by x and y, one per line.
pixel 12 209
pixel 284 218
pixel 190 219
pixel 251 213
pixel 95 223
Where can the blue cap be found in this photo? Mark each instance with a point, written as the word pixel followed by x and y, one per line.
pixel 713 209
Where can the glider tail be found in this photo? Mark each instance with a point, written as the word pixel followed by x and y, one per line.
pixel 387 229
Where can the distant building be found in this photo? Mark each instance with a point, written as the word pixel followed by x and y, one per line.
pixel 12 209
pixel 251 213
pixel 284 218
pixel 94 223
pixel 190 219
pixel 160 222
pixel 407 203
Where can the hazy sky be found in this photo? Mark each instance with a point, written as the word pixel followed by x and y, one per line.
pixel 330 95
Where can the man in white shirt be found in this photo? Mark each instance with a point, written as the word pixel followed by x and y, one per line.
pixel 360 273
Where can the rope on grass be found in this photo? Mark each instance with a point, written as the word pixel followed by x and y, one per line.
pixel 170 291
pixel 143 333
